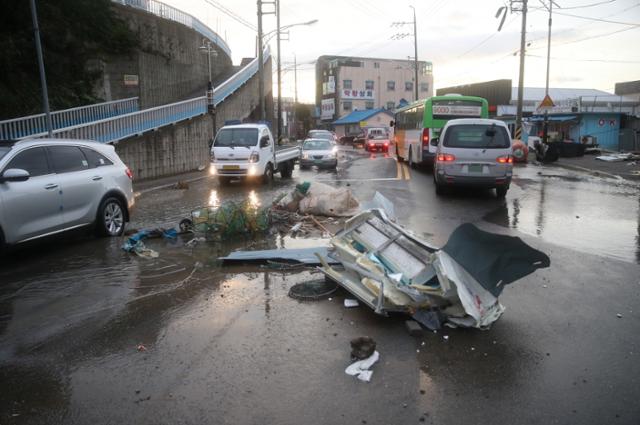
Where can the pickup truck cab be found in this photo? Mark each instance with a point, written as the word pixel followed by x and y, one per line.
pixel 249 151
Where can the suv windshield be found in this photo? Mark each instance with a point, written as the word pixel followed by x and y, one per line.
pixel 230 137
pixel 477 136
pixel 316 145
pixel 3 151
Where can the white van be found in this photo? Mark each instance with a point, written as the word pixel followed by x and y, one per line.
pixel 474 152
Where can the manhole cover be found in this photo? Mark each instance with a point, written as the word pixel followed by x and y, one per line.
pixel 313 290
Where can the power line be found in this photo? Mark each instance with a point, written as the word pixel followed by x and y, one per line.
pixel 588 5
pixel 597 19
pixel 232 15
pixel 586 60
pixel 591 37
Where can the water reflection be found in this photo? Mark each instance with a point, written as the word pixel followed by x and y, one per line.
pixel 214 201
pixel 254 201
pixel 598 218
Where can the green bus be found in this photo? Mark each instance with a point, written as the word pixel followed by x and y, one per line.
pixel 418 125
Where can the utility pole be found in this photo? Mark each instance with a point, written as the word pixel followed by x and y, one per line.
pixel 295 96
pixel 545 129
pixel 521 76
pixel 400 36
pixel 43 77
pixel 415 45
pixel 279 119
pixel 260 65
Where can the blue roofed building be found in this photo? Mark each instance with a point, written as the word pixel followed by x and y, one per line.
pixel 357 121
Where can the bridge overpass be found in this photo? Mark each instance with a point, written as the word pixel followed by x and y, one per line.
pixel 171 137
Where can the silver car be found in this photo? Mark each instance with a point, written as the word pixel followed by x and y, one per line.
pixel 474 152
pixel 48 186
pixel 320 152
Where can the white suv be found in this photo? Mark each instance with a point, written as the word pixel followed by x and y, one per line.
pixel 48 186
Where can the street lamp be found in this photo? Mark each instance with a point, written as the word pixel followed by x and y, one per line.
pixel 268 36
pixel 207 47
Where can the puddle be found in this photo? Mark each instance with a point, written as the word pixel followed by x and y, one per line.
pixel 589 216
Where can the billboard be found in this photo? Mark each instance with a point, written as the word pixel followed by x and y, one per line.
pixel 328 109
pixel 357 94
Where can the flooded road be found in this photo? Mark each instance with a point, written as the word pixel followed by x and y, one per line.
pixel 92 334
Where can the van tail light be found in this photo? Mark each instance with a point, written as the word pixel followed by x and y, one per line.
pixel 128 173
pixel 508 159
pixel 446 157
pixel 425 137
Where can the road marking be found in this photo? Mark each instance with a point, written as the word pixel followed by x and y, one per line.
pixel 399 175
pixel 407 174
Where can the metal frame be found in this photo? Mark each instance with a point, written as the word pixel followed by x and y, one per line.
pixel 36 125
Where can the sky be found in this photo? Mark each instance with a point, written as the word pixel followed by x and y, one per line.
pixel 595 48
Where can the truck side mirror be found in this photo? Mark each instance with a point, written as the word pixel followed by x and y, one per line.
pixel 392 123
pixel 264 142
pixel 434 141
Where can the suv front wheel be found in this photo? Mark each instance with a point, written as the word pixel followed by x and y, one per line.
pixel 111 218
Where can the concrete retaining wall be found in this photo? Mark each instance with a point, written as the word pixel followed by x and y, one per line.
pixel 184 146
pixel 168 65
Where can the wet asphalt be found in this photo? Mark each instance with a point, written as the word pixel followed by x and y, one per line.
pixel 92 334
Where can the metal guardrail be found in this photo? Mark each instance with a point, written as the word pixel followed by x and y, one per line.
pixel 34 125
pixel 123 126
pixel 168 12
pixel 136 123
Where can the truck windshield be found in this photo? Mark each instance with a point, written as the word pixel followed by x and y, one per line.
pixel 476 136
pixel 316 145
pixel 230 137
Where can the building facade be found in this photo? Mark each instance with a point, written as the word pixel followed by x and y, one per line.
pixel 346 84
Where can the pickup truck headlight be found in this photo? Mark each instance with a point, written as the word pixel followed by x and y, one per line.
pixel 254 157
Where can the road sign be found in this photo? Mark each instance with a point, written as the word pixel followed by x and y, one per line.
pixel 546 103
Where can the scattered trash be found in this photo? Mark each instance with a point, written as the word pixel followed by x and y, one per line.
pixel 182 185
pixel 619 316
pixel 195 241
pixel 391 270
pixel 303 255
pixel 445 337
pixel 360 369
pixel 201 167
pixel 135 245
pixel 313 290
pixel 296 228
pixel 141 348
pixel 362 347
pixel 619 157
pixel 349 303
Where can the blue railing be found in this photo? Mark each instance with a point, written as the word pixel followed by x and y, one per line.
pixel 168 12
pixel 113 129
pixel 19 128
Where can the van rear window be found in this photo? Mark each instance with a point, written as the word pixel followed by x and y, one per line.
pixel 476 136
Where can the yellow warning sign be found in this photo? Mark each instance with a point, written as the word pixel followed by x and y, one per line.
pixel 546 103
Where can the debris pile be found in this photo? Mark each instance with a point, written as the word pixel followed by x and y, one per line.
pixel 391 270
pixel 319 199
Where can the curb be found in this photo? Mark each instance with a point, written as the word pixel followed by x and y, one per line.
pixel 166 185
pixel 596 173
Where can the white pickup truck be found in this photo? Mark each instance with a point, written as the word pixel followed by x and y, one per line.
pixel 248 150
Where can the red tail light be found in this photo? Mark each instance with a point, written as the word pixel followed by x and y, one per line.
pixel 446 157
pixel 386 144
pixel 128 173
pixel 505 159
pixel 425 137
